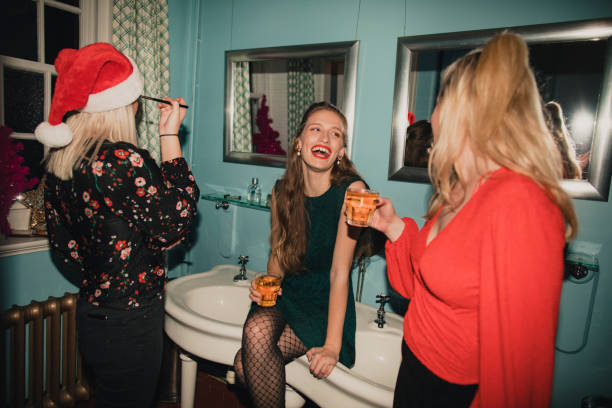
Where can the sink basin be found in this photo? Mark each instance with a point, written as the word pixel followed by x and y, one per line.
pixel 371 381
pixel 205 312
pixel 229 304
pixel 380 367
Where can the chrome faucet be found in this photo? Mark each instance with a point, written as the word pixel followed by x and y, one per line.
pixel 242 260
pixel 380 313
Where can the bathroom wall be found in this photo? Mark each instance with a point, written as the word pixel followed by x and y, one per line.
pixel 240 24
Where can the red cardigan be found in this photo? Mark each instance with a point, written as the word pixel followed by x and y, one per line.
pixel 485 292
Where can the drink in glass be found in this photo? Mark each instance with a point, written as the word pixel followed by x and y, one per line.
pixel 360 206
pixel 268 286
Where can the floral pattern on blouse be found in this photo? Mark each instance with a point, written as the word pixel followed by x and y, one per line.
pixel 115 217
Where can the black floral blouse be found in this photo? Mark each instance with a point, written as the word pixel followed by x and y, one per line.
pixel 114 218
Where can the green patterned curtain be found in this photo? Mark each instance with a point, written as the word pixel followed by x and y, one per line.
pixel 300 92
pixel 140 29
pixel 241 138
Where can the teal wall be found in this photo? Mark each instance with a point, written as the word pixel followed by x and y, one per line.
pixel 200 33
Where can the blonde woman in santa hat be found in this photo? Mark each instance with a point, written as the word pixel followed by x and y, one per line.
pixel 111 213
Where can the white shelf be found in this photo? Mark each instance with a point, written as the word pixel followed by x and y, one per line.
pixel 18 245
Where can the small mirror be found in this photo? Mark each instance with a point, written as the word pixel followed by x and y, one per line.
pixel 267 91
pixel 572 63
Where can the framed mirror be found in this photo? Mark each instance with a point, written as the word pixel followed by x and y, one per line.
pixel 572 63
pixel 267 91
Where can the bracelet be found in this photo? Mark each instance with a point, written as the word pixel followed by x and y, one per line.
pixel 169 134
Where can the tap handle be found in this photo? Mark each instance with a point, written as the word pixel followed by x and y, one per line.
pixel 382 299
pixel 243 259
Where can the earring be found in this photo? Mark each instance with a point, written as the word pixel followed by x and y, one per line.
pixel 338 161
pixel 299 152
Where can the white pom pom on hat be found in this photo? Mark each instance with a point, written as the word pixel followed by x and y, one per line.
pixel 95 78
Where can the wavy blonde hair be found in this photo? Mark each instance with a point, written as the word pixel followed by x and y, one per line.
pixel 290 223
pixel 489 102
pixel 89 131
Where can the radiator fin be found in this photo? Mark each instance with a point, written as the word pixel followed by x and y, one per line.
pixel 55 375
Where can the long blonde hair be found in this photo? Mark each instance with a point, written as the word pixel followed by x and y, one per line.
pixel 89 131
pixel 288 232
pixel 489 101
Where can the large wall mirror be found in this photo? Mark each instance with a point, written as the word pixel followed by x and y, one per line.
pixel 267 91
pixel 572 63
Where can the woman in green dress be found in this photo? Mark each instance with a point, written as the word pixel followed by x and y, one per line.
pixel 312 248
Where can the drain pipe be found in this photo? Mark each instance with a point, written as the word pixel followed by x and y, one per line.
pixel 360 278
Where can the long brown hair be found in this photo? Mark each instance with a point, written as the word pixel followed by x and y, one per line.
pixel 290 222
pixel 553 115
pixel 489 101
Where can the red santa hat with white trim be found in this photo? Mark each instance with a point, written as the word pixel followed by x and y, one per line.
pixel 95 78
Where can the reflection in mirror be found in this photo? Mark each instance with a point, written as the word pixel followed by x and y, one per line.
pixel 572 63
pixel 419 138
pixel 268 90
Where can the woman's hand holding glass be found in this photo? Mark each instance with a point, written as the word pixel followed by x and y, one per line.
pixel 386 220
pixel 255 295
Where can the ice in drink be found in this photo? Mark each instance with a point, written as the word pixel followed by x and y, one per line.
pixel 268 286
pixel 360 206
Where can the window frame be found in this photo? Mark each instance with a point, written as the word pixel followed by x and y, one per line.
pixel 95 24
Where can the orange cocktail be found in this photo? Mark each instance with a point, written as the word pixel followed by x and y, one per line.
pixel 268 286
pixel 360 206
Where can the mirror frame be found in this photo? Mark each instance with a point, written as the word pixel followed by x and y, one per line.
pixel 597 186
pixel 350 51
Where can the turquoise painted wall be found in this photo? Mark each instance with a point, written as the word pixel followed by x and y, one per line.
pixel 241 24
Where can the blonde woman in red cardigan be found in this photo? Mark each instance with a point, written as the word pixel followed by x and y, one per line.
pixel 484 273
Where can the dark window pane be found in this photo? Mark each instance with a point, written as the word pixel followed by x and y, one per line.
pixel 70 2
pixel 53 81
pixel 23 99
pixel 61 31
pixel 32 154
pixel 18 29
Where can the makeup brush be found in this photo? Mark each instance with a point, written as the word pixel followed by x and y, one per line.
pixel 161 100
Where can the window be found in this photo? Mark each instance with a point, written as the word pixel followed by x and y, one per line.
pixel 33 32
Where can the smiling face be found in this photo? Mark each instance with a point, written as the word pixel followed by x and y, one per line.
pixel 322 140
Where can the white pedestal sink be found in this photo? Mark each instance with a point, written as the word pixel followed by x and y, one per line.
pixel 205 313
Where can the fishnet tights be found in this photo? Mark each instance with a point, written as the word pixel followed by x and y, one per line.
pixel 268 343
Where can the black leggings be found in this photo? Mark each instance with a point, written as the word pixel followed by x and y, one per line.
pixel 417 387
pixel 124 351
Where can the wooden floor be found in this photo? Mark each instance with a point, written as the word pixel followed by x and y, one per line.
pixel 210 392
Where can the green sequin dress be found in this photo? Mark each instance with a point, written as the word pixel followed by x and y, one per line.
pixel 305 300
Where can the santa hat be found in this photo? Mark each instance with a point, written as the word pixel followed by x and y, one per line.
pixel 95 78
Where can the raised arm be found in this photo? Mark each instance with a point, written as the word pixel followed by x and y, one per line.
pixel 160 203
pixel 399 233
pixel 170 119
pixel 323 359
